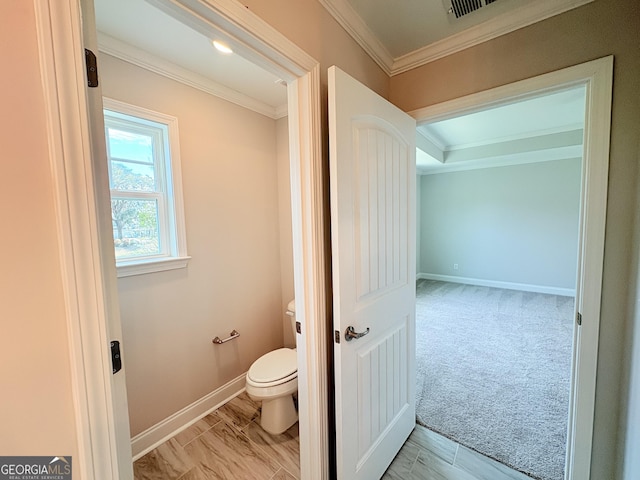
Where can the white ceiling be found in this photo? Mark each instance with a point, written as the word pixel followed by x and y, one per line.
pixel 139 32
pixel 542 128
pixel 551 113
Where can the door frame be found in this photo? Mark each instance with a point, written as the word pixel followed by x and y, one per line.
pixel 597 77
pixel 84 280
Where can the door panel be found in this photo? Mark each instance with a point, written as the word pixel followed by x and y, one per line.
pixel 382 224
pixel 382 377
pixel 372 172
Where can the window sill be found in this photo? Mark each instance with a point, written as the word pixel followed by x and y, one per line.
pixel 151 266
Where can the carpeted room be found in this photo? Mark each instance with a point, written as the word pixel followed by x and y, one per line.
pixel 497 252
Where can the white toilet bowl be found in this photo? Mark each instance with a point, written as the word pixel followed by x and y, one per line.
pixel 273 379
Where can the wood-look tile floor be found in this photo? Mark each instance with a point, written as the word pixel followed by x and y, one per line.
pixel 429 456
pixel 230 444
pixel 226 444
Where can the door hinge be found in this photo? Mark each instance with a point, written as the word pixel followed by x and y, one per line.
pixel 578 318
pixel 92 67
pixel 336 336
pixel 298 327
pixel 116 359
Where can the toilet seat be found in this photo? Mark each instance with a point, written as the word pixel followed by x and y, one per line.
pixel 282 381
pixel 273 368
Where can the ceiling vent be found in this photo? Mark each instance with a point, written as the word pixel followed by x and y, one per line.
pixel 460 8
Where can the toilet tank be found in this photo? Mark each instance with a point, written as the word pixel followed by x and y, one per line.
pixel 291 312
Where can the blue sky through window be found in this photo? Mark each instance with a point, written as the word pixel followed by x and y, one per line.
pixel 130 146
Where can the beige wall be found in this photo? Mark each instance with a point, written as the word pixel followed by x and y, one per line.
pixel 36 407
pixel 308 24
pixel 601 28
pixel 230 179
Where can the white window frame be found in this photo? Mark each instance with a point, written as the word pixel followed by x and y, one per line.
pixel 170 207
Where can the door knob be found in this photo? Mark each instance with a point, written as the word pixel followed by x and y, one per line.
pixel 351 334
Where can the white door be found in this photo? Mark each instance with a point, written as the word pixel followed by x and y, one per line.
pixel 372 174
pixel 118 388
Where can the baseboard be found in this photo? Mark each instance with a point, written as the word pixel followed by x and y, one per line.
pixel 146 441
pixel 525 287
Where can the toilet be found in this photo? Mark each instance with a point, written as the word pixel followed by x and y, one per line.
pixel 273 379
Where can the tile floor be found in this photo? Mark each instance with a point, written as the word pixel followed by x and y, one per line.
pixel 429 456
pixel 229 444
pixel 226 444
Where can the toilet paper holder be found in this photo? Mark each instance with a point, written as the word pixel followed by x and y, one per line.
pixel 234 334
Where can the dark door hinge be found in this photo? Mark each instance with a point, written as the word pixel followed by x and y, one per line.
pixel 298 327
pixel 92 67
pixel 336 336
pixel 578 318
pixel 116 359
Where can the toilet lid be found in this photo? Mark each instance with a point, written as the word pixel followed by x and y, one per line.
pixel 274 366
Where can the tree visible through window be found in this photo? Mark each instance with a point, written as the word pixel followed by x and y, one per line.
pixel 141 180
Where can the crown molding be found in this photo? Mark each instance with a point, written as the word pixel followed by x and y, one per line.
pixel 505 23
pixel 430 148
pixel 524 158
pixel 128 53
pixel 281 111
pixel 346 16
pixel 516 151
pixel 430 137
pixel 575 130
pixel 501 25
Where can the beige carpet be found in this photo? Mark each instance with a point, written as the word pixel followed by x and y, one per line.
pixel 493 371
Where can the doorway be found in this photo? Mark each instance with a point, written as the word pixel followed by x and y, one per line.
pixel 231 148
pixel 204 26
pixel 104 439
pixel 591 226
pixel 495 303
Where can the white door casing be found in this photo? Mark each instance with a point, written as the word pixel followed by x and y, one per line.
pixel 372 176
pixel 97 394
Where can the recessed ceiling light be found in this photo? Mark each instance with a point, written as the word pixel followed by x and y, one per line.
pixel 222 47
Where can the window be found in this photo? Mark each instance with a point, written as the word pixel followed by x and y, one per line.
pixel 146 195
